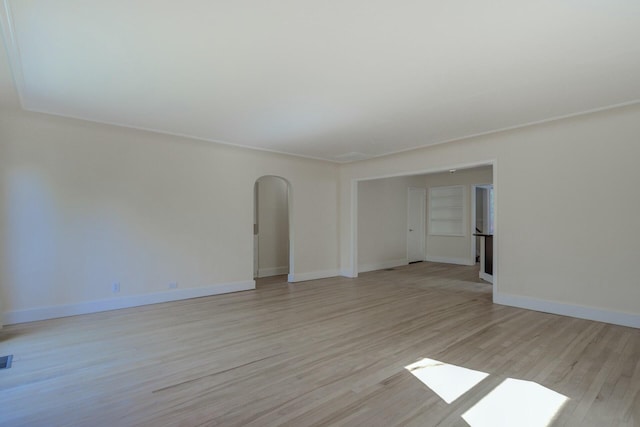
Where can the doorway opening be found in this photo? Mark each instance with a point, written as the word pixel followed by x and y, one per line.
pixel 482 202
pixel 388 210
pixel 482 197
pixel 271 227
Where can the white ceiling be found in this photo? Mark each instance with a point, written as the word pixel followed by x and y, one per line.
pixel 328 79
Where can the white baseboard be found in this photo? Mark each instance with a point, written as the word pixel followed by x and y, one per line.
pixel 581 312
pixel 486 277
pixel 347 272
pixel 51 312
pixel 382 265
pixel 273 271
pixel 301 277
pixel 449 260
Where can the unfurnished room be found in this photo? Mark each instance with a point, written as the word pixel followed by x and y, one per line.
pixel 286 213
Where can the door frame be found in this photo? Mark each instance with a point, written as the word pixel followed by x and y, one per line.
pixel 474 253
pixel 351 270
pixel 256 237
pixel 423 218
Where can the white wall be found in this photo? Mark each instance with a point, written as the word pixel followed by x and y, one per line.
pixel 456 249
pixel 382 222
pixel 567 205
pixel 87 205
pixel 273 226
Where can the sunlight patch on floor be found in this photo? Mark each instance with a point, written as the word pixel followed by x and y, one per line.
pixel 516 402
pixel 447 381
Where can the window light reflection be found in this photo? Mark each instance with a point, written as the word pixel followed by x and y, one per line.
pixel 516 402
pixel 447 381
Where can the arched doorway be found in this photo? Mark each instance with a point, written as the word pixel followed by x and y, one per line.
pixel 271 227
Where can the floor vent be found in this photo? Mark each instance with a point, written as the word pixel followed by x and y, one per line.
pixel 389 269
pixel 5 361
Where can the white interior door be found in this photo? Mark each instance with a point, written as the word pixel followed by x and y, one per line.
pixel 416 208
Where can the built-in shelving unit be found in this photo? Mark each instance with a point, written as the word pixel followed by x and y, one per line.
pixel 447 211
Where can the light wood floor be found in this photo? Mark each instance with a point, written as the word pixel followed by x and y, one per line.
pixel 325 352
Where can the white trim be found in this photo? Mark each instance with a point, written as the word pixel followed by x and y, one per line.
pixel 347 272
pixel 287 270
pixel 496 240
pixel 314 275
pixel 382 265
pixel 506 129
pixel 353 244
pixel 19 80
pixel 472 225
pixel 450 260
pixel 571 310
pixel 178 135
pixel 51 312
pixel 438 169
pixel 273 271
pixel 486 277
pixel 292 231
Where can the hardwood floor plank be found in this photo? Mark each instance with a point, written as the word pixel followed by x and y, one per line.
pixel 327 352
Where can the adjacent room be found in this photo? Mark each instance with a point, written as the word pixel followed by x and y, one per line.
pixel 282 213
pixel 426 217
